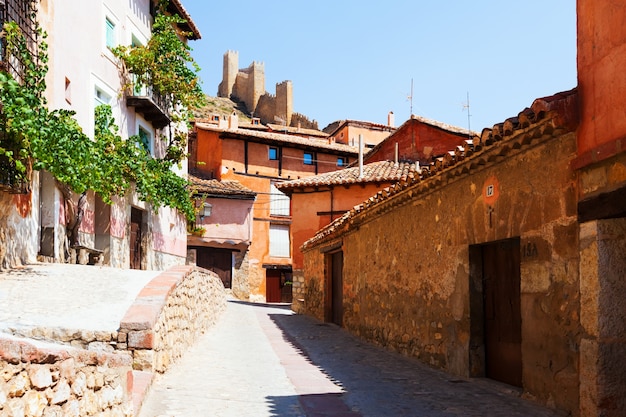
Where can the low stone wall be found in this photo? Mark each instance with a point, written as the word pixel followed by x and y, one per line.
pixel 43 379
pixel 169 314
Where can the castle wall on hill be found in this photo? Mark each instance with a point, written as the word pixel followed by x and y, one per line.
pixel 247 85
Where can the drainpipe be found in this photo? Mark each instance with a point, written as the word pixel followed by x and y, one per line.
pixel 360 156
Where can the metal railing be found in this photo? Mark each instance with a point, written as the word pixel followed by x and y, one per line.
pixel 23 12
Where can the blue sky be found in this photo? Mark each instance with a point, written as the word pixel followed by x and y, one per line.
pixel 350 59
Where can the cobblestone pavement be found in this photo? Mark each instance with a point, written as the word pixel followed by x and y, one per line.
pixel 66 296
pixel 262 360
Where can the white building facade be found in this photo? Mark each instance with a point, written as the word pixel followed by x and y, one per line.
pixel 83 73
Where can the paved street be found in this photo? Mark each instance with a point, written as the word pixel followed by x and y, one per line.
pixel 262 360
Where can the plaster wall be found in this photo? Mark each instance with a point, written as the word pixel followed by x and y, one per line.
pixel 19 226
pixel 349 135
pixel 406 274
pixel 311 210
pixel 601 80
pixel 230 219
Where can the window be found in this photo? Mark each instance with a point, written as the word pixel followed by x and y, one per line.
pixel 68 91
pixel 145 139
pixel 110 33
pixel 279 202
pixel 273 154
pixel 308 158
pixel 101 97
pixel 342 161
pixel 279 241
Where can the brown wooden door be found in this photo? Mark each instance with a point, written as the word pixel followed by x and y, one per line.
pixel 219 261
pixel 337 288
pixel 502 309
pixel 135 238
pixel 272 286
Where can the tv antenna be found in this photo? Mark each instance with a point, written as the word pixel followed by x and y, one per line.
pixel 410 98
pixel 466 105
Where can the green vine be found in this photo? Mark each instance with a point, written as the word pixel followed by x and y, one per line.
pixel 165 64
pixel 53 141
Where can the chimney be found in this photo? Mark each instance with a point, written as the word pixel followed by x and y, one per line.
pixel 360 156
pixel 233 121
pixel 395 159
pixel 391 122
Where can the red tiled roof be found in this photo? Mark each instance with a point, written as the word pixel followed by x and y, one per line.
pixel 548 117
pixel 185 15
pixel 216 187
pixel 382 171
pixel 279 138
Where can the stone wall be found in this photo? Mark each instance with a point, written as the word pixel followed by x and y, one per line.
pixel 52 380
pixel 240 285
pixel 407 271
pixel 169 314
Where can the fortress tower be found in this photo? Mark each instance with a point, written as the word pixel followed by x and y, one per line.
pixel 284 101
pixel 248 86
pixel 231 68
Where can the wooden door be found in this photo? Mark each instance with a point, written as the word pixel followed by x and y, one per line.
pixel 219 261
pixel 336 288
pixel 272 286
pixel 135 238
pixel 502 311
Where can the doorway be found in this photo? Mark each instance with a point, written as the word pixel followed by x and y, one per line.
pixel 334 286
pixel 495 305
pixel 502 311
pixel 217 260
pixel 136 219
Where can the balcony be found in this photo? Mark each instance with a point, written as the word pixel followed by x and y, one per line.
pixel 153 106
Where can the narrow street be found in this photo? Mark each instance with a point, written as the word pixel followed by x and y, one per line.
pixel 263 360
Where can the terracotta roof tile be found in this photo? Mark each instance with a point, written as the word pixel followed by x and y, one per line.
pixel 280 138
pixel 216 187
pixel 382 171
pixel 546 118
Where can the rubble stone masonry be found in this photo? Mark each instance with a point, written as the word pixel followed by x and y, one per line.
pixel 43 379
pixel 407 270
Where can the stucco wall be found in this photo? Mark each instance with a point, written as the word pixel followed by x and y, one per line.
pixel 601 79
pixel 19 226
pixel 406 270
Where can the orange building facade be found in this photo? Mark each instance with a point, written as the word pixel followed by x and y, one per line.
pixel 258 160
pixel 319 200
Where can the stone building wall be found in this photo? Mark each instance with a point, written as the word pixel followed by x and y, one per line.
pixel 240 285
pixel 44 379
pixel 409 266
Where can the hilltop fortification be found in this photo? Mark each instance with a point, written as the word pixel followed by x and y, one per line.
pixel 247 86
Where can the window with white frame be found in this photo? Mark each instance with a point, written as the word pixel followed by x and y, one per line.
pixel 279 241
pixel 101 96
pixel 110 37
pixel 279 202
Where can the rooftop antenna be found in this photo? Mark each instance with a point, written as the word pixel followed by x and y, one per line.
pixel 410 97
pixel 466 105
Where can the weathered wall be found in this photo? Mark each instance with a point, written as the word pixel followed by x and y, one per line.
pixel 603 308
pixel 50 380
pixel 601 59
pixel 417 141
pixel 19 226
pixel 407 268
